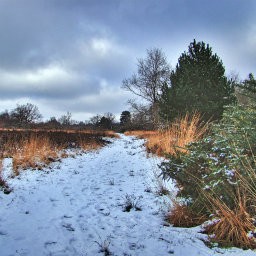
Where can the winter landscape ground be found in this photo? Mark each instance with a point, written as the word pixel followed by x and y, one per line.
pixel 103 202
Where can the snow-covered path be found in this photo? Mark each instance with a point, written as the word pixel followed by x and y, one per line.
pixel 77 207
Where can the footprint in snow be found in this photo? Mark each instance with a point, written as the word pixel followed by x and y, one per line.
pixel 3 233
pixel 49 244
pixel 66 216
pixel 68 226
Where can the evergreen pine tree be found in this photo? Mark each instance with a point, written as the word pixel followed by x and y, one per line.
pixel 125 118
pixel 197 84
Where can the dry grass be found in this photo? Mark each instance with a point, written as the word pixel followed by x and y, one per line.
pixel 141 134
pixel 230 226
pixel 233 225
pixel 248 183
pixel 37 148
pixel 175 137
pixel 88 146
pixel 181 215
pixel 111 134
pixel 34 152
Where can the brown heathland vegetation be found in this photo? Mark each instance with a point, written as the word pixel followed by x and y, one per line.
pixel 175 136
pixel 34 148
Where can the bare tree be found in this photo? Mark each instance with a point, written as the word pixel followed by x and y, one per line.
pixel 105 121
pixel 66 119
pixel 110 116
pixel 95 120
pixel 26 114
pixel 153 72
pixel 142 116
pixel 52 123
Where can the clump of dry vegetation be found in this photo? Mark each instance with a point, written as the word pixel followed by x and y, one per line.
pixel 215 172
pixel 141 134
pixel 182 216
pixel 229 225
pixel 34 152
pixel 235 226
pixel 175 136
pixel 232 226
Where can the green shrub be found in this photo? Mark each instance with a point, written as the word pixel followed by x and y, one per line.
pixel 213 163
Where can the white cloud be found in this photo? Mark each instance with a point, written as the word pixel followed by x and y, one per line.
pixel 40 76
pixel 101 46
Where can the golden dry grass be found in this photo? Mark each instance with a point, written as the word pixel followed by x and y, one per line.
pixel 88 146
pixel 111 134
pixel 181 215
pixel 34 152
pixel 32 148
pixel 175 137
pixel 232 225
pixel 235 223
pixel 141 134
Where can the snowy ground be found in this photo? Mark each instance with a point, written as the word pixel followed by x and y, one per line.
pixel 76 207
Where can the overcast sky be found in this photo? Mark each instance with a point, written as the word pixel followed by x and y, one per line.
pixel 72 55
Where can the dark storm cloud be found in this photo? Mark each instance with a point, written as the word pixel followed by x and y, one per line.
pixel 73 54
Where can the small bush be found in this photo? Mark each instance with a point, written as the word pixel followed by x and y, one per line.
pixel 131 202
pixel 217 175
pixel 104 247
pixel 4 186
pixel 212 162
pixel 161 188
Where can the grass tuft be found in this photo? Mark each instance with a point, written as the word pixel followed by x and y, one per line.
pixel 131 202
pixel 175 137
pixel 181 215
pixel 233 226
